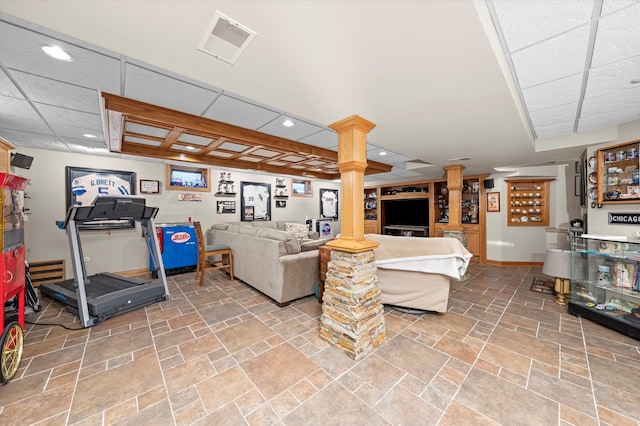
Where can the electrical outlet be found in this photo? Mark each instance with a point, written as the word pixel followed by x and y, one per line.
pixel 87 258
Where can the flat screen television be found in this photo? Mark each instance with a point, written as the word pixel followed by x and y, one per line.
pixel 406 212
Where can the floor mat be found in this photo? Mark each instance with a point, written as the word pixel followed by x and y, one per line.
pixel 542 285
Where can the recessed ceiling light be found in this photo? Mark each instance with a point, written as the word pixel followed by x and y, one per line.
pixel 382 153
pixel 57 53
pixel 190 148
pixel 287 123
pixel 89 136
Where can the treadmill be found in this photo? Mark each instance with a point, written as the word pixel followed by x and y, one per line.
pixel 102 296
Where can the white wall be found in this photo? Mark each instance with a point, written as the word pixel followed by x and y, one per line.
pixel 125 250
pixel 528 243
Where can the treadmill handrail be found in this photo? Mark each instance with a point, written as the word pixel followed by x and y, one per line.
pixel 110 207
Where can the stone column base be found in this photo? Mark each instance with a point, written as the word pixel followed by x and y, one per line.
pixel 352 315
pixel 458 235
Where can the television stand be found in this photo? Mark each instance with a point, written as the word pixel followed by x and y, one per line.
pixel 406 230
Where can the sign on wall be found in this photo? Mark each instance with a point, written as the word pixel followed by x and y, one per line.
pixel 624 218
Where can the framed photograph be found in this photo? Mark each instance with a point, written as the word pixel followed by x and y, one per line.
pixel 223 207
pixel 281 203
pixel 493 201
pixel 329 203
pixel 83 185
pixel 256 201
pixel 149 186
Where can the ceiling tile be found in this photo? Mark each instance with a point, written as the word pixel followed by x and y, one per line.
pixel 159 89
pixel 558 92
pixel 300 130
pixel 15 107
pixel 240 113
pixel 66 117
pixel 526 22
pixel 552 59
pixel 610 6
pixel 76 132
pixel 618 37
pixel 7 88
pixel 607 120
pixel 52 92
pixel 146 130
pixel 613 77
pixel 33 140
pixel 611 102
pixel 195 140
pixel 549 116
pixel 89 68
pixel 555 129
pixel 324 139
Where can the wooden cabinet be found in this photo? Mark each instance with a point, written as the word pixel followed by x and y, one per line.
pixel 528 202
pixel 619 174
pixel 371 211
pixel 470 200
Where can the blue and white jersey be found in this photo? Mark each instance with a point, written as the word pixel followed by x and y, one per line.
pixel 87 188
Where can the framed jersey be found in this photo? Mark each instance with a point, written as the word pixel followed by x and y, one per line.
pixel 256 201
pixel 329 203
pixel 83 185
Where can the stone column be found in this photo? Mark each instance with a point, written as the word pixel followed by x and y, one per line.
pixel 352 315
pixel 454 228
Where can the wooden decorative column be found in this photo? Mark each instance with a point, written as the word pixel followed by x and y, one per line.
pixel 454 228
pixel 352 315
pixel 5 155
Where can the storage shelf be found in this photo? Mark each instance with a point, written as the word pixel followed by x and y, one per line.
pixel 405 195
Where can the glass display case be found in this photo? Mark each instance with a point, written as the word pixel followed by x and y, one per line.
pixel 605 282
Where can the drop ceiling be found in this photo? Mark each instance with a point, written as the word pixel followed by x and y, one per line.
pixel 504 82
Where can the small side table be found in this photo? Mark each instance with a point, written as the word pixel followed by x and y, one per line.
pixel 324 256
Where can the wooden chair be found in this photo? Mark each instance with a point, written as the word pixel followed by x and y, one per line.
pixel 205 251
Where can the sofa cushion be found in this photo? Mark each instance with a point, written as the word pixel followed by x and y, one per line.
pixel 220 226
pixel 248 230
pixel 300 230
pixel 265 224
pixel 312 244
pixel 291 244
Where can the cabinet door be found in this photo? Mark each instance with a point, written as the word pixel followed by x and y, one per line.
pixel 473 242
pixel 370 227
pixel 619 174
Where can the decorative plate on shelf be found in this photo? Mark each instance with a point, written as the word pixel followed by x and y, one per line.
pixel 593 178
pixel 592 194
pixel 592 162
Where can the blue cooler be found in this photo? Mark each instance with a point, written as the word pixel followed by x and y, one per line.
pixel 178 247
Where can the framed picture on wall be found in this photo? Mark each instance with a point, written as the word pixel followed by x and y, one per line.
pixel 256 201
pixel 493 201
pixel 329 203
pixel 83 185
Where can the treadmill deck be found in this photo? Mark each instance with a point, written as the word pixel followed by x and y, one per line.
pixel 107 294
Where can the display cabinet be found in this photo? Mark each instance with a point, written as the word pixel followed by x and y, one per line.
pixel 605 283
pixel 619 174
pixel 371 211
pixel 528 202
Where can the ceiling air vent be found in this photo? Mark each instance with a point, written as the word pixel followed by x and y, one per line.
pixel 225 39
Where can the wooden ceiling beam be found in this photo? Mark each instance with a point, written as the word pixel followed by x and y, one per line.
pixel 156 116
pixel 153 152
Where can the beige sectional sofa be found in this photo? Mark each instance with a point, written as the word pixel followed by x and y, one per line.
pixel 270 259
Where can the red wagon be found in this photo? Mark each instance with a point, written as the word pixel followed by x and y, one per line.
pixel 12 271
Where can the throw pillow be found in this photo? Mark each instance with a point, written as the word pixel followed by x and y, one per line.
pixel 312 245
pixel 300 230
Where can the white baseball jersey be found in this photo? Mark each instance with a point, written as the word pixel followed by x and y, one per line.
pixel 87 188
pixel 258 197
pixel 329 204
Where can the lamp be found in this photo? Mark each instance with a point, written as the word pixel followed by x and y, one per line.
pixel 557 263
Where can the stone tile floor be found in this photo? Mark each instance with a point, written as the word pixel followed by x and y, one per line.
pixel 224 354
